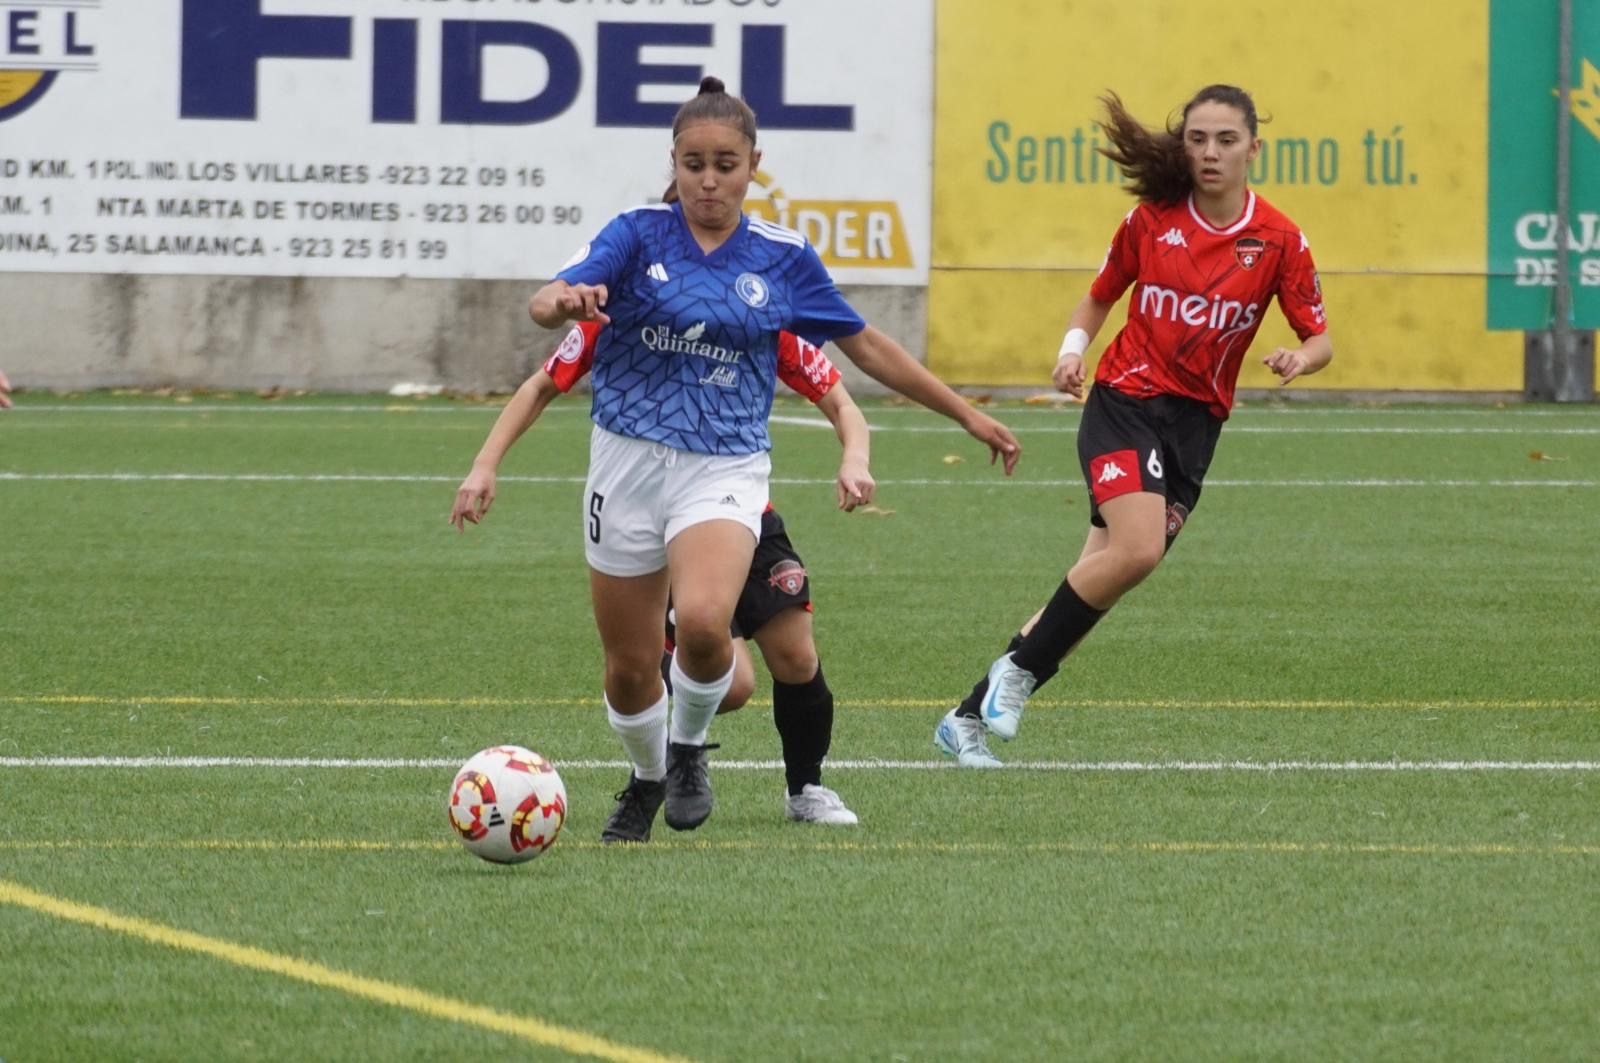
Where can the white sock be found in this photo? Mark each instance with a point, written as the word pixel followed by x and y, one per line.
pixel 644 738
pixel 694 704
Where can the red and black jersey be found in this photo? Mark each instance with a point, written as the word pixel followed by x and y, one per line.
pixel 801 365
pixel 1199 295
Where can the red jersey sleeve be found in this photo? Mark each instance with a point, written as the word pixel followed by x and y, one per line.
pixel 1300 291
pixel 571 361
pixel 804 367
pixel 1121 267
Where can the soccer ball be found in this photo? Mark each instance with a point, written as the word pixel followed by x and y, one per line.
pixel 507 804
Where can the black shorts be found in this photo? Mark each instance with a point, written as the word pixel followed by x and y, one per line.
pixel 1162 444
pixel 777 580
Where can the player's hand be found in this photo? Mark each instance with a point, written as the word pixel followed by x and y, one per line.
pixel 855 486
pixel 997 437
pixel 1286 363
pixel 473 499
pixel 1068 375
pixel 583 302
pixel 5 393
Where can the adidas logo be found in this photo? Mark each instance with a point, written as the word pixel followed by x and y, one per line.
pixel 657 272
pixel 1111 471
pixel 1173 238
pixel 728 500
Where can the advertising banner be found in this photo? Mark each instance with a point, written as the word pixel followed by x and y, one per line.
pixel 1379 157
pixel 1523 228
pixel 449 138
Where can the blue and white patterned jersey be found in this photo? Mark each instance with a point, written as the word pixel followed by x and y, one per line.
pixel 690 357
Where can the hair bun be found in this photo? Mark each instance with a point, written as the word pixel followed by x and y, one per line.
pixel 709 84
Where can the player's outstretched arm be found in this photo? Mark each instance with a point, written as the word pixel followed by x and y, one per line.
pixel 559 302
pixel 476 493
pixel 1086 321
pixel 855 485
pixel 885 361
pixel 1312 356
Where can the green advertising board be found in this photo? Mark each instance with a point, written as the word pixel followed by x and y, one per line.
pixel 1524 38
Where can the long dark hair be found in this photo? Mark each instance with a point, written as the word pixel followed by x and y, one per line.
pixel 714 104
pixel 1153 160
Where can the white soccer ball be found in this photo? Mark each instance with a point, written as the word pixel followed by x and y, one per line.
pixel 507 804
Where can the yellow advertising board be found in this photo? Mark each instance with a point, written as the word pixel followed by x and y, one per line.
pixel 1379 156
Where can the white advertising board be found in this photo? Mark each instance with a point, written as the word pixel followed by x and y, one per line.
pixel 442 138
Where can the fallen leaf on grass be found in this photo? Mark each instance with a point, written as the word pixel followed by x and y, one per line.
pixel 1539 455
pixel 875 511
pixel 953 459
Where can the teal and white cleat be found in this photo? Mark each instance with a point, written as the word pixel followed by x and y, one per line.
pixel 1009 687
pixel 962 737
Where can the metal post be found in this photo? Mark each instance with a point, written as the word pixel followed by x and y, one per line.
pixel 1562 377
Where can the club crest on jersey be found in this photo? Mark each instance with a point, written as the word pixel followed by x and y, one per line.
pixel 1248 251
pixel 1177 513
pixel 753 290
pixel 571 345
pixel 788 576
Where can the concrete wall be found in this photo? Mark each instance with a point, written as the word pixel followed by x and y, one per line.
pixel 69 332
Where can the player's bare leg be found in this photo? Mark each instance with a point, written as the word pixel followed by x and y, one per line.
pixel 636 700
pixel 708 563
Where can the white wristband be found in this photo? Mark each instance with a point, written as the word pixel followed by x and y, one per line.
pixel 1076 342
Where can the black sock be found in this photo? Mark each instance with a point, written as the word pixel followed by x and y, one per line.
pixel 969 704
pixel 804 715
pixel 1062 625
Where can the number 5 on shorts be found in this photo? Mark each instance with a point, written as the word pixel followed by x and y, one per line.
pixel 597 501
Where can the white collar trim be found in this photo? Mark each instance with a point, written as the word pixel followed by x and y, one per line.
pixel 1244 219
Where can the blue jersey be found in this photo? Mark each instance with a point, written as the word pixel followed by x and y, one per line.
pixel 690 357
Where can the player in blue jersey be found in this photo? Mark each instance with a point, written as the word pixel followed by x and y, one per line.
pixel 694 294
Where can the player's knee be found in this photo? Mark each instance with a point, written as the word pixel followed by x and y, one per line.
pixel 791 662
pixel 740 693
pixel 633 678
pixel 1141 558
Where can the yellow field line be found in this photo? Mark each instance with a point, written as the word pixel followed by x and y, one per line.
pixel 341 845
pixel 399 996
pixel 1290 704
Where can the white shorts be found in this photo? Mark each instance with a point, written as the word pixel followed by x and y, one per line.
pixel 641 494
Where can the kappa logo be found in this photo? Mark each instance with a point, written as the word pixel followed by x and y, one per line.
pixel 788 576
pixel 657 272
pixel 1173 238
pixel 1114 474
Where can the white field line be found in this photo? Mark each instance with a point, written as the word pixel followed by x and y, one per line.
pixel 402 701
pixel 1079 766
pixel 454 478
pixel 1234 427
pixel 1007 409
pixel 218 701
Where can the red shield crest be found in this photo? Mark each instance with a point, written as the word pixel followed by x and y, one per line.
pixel 1249 251
pixel 787 576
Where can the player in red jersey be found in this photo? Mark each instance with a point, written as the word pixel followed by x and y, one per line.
pixel 774 608
pixel 1204 255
